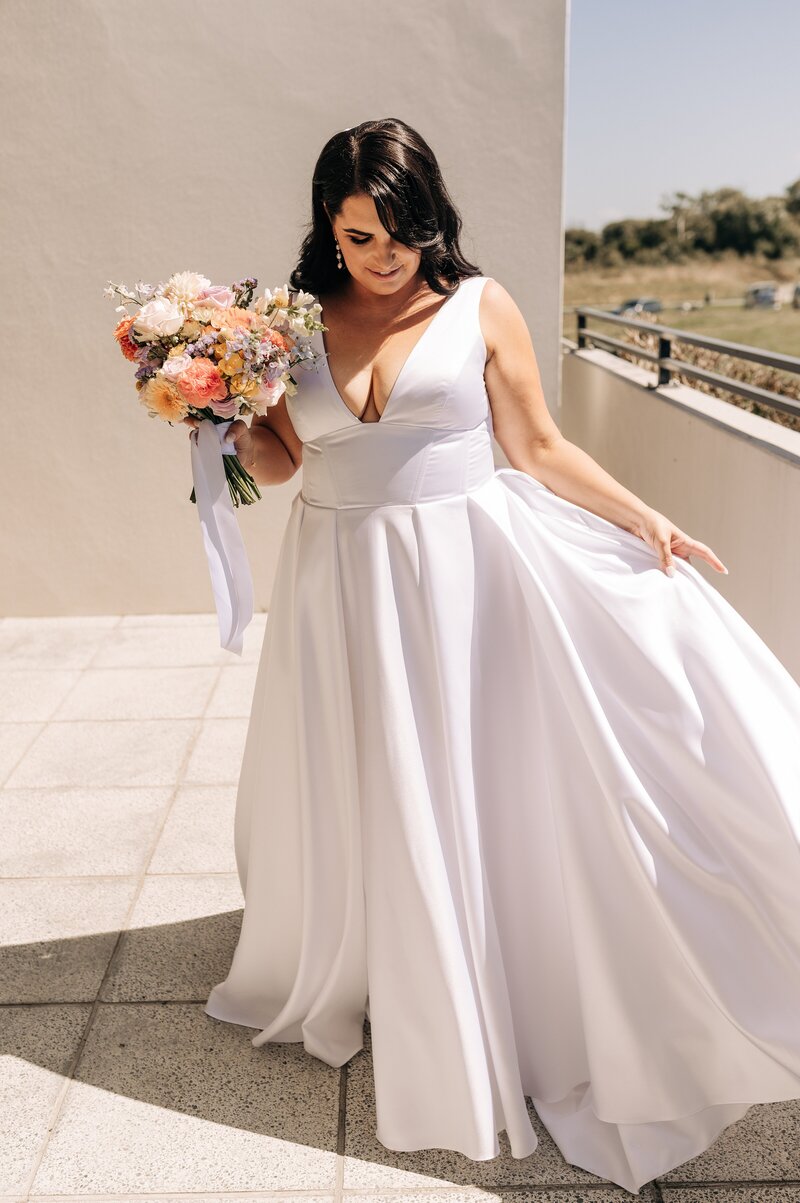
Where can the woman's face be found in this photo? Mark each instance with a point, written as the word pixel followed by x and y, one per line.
pixel 368 250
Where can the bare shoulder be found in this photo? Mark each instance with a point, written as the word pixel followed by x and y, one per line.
pixel 501 320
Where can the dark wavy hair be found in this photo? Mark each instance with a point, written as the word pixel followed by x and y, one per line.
pixel 392 163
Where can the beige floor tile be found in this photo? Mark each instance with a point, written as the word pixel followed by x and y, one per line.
pixel 217 753
pixel 179 940
pixel 763 1144
pixel 58 622
pixel 481 1195
pixel 175 646
pixel 208 619
pixel 198 834
pixel 33 694
pixel 730 1194
pixel 233 693
pixel 168 1099
pixel 56 937
pixel 45 643
pixel 15 740
pixel 114 753
pixel 38 1045
pixel 147 693
pixel 71 831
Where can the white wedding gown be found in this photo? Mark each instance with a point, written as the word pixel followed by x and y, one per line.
pixel 529 804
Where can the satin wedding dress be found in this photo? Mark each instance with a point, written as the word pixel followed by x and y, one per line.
pixel 509 791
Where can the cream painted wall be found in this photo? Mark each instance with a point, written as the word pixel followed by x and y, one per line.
pixel 727 477
pixel 141 139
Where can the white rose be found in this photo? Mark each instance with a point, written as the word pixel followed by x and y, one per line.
pixel 174 365
pixel 266 396
pixel 158 319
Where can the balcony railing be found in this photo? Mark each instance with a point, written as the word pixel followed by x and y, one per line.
pixel 668 365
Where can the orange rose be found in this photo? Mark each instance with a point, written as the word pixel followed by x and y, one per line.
pixel 126 345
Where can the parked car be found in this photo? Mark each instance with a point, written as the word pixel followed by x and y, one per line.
pixel 639 305
pixel 761 296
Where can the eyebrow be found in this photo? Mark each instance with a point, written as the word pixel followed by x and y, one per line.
pixel 350 230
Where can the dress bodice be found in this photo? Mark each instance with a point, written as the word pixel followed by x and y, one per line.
pixel 440 385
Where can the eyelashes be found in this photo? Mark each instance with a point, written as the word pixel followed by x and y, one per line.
pixel 358 241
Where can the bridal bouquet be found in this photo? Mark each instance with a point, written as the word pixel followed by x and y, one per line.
pixel 207 351
pixel 201 350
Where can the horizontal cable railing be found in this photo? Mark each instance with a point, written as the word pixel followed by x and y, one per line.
pixel 669 365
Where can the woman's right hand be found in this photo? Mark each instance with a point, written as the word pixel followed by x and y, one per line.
pixel 237 433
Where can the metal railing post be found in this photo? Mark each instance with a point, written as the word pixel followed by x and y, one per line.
pixel 664 352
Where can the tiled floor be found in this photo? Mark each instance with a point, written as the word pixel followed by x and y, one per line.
pixel 120 743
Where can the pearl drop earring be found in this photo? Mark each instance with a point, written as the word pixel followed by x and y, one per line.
pixel 338 254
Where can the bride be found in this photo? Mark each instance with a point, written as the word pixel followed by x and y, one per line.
pixel 520 788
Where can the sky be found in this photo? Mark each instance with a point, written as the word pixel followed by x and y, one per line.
pixel 682 96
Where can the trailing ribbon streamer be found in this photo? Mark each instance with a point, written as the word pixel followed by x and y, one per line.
pixel 225 550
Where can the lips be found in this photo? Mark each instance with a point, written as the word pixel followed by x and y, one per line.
pixel 386 275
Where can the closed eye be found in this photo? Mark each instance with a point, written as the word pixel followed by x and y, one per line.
pixel 359 241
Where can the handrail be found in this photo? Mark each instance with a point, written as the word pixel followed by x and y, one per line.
pixel 667 364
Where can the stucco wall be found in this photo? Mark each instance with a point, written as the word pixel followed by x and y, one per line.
pixel 148 138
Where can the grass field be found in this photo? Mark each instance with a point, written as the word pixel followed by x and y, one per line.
pixel 724 317
pixel 726 280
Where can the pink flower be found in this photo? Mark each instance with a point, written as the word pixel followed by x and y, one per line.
pixel 217 297
pixel 266 396
pixel 225 409
pixel 202 383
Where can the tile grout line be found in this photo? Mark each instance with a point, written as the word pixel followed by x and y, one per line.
pixel 341 1135
pixel 43 723
pixel 61 1095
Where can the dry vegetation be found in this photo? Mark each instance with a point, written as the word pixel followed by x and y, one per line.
pixel 725 317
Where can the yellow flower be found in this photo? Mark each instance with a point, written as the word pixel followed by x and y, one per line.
pixel 191 329
pixel 231 364
pixel 163 399
pixel 178 349
pixel 241 384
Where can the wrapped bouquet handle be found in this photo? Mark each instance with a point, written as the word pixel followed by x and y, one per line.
pixel 227 558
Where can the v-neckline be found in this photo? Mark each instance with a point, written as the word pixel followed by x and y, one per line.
pixel 399 375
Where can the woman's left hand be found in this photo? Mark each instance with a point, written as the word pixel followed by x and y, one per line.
pixel 669 540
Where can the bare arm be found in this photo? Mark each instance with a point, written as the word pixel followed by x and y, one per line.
pixel 532 442
pixel 268 448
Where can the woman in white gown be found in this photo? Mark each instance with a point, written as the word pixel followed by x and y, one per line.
pixel 510 790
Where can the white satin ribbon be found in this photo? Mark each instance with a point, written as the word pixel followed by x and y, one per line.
pixel 227 559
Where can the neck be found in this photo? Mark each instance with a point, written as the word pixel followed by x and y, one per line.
pixel 384 305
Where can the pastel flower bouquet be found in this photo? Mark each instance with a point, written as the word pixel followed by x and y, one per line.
pixel 208 351
pixel 201 350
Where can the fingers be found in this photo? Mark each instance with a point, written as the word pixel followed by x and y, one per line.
pixel 713 559
pixel 235 428
pixel 661 539
pixel 705 552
